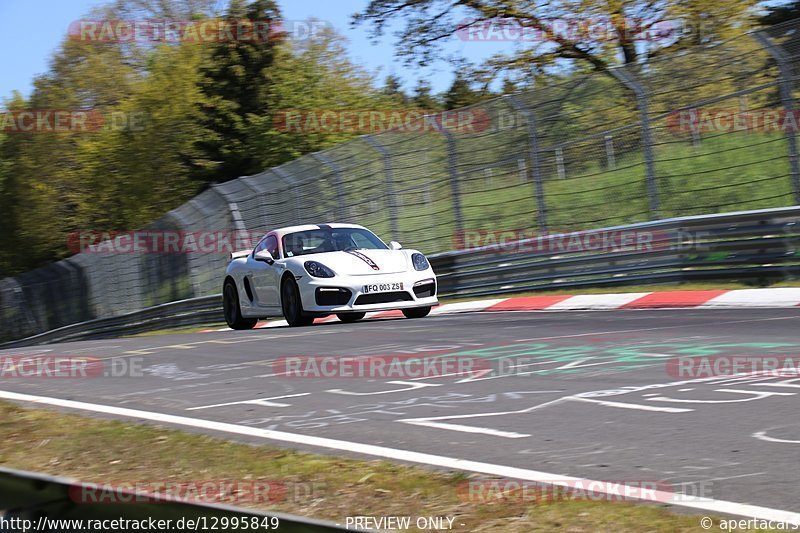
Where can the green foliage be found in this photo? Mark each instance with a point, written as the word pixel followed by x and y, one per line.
pixel 312 75
pixel 172 113
pixel 623 35
pixel 178 116
pixel 423 97
pixel 393 89
pixel 236 81
pixel 461 93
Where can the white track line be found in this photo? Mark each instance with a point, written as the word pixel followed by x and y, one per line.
pixel 715 506
pixel 258 401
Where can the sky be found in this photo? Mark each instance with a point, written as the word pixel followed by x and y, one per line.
pixel 34 29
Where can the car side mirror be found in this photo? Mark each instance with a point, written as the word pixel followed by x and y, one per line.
pixel 264 256
pixel 394 245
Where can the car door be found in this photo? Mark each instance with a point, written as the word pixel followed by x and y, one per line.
pixel 265 277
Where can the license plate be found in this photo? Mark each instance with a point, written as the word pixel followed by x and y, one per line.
pixel 382 287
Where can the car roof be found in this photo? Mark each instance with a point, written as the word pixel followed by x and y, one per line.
pixel 307 227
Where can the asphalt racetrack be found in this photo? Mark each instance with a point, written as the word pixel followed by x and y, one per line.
pixel 590 395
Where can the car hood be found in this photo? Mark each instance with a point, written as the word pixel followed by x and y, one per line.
pixel 361 262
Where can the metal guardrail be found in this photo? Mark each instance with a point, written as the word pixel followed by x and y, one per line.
pixel 38 497
pixel 758 247
pixel 204 310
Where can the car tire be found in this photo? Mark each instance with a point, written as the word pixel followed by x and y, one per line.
pixel 350 317
pixel 292 305
pixel 232 310
pixel 417 312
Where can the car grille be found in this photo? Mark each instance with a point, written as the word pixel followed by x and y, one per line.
pixel 384 298
pixel 332 296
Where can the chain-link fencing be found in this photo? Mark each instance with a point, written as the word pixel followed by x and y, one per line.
pixel 708 130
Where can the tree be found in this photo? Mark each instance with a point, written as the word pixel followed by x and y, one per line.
pixel 551 33
pixel 393 89
pixel 312 75
pixel 461 93
pixel 780 13
pixel 423 96
pixel 237 82
pixel 509 86
pixel 120 175
pixel 141 168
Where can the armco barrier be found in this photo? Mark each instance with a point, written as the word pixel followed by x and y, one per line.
pixel 205 310
pixel 41 498
pixel 757 247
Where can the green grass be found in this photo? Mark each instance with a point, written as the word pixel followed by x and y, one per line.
pixel 730 172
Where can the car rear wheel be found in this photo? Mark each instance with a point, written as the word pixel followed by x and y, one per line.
pixel 417 312
pixel 292 306
pixel 350 317
pixel 233 313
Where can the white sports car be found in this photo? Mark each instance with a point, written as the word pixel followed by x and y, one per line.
pixel 303 272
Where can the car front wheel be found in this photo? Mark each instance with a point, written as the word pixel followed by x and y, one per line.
pixel 417 312
pixel 292 306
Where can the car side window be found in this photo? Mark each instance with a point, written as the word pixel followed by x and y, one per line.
pixel 271 244
pixel 262 245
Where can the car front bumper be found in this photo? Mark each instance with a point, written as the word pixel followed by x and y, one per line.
pixel 327 295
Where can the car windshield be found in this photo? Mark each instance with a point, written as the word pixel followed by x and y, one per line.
pixel 318 241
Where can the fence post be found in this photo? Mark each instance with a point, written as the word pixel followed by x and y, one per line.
pixel 261 190
pixel 562 173
pixel 536 166
pixel 341 210
pixel 695 130
pixel 181 221
pixel 785 81
pixel 388 176
pixel 522 170
pixel 452 170
pixel 610 158
pixel 292 183
pixel 647 140
pixel 238 222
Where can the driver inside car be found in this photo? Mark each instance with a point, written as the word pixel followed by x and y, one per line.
pixel 344 242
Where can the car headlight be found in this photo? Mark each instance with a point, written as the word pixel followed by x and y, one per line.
pixel 318 270
pixel 419 261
